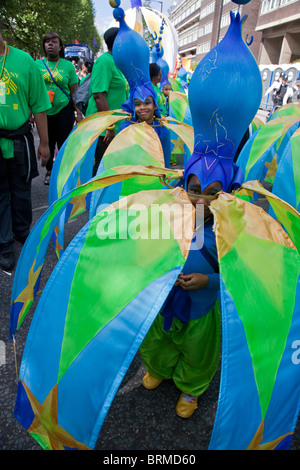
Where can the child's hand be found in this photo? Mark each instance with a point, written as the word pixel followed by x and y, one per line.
pixel 193 281
pixel 177 283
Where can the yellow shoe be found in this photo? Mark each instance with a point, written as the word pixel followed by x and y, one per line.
pixel 151 382
pixel 186 405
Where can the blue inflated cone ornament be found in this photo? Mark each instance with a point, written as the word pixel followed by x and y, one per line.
pixel 132 56
pixel 224 95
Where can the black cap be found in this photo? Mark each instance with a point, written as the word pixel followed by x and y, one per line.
pixel 284 76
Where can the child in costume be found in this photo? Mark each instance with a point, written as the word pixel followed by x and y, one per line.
pixel 183 342
pixel 132 55
pixel 144 109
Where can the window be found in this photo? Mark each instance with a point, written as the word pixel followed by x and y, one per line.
pixel 269 5
pixel 207 10
pixel 225 20
pixel 286 2
pixel 206 29
pixel 203 48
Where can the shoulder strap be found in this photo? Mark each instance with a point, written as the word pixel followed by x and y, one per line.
pixel 69 98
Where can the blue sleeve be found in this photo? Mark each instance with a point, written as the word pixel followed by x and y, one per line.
pixel 214 281
pixel 123 125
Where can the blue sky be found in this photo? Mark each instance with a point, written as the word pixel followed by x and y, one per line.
pixel 104 11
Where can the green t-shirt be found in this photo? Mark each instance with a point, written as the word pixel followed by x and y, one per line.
pixel 161 100
pixel 106 77
pixel 24 89
pixel 64 74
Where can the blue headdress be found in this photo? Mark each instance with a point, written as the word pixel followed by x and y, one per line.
pixel 131 54
pixel 182 75
pixel 157 52
pixel 224 95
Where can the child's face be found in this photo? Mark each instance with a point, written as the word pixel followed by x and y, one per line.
pixel 144 111
pixel 166 90
pixel 194 189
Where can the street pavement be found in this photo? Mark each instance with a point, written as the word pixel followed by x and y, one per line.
pixel 138 419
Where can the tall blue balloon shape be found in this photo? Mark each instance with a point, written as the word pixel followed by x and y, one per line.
pixel 131 55
pixel 163 64
pixel 224 95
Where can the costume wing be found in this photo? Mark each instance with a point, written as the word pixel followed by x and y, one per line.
pixel 287 178
pixel 134 145
pixel 255 125
pixel 290 109
pixel 74 162
pixel 179 109
pixel 96 308
pixel 32 257
pixel 176 85
pixel 182 130
pixel 259 264
pixel 262 152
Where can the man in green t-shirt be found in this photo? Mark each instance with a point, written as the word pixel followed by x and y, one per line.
pixel 108 91
pixel 22 90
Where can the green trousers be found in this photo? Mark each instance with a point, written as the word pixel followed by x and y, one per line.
pixel 188 353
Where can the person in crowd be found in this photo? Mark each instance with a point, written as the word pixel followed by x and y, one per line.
pixel 86 69
pixel 22 90
pixel 281 91
pixel 61 81
pixel 108 90
pixel 156 76
pixel 166 89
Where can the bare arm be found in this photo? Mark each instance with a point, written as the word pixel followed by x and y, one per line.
pixel 100 100
pixel 79 115
pixel 41 125
pixel 101 104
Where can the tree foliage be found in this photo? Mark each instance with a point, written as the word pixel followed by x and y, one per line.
pixel 25 22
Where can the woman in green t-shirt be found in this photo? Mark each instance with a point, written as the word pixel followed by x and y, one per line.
pixel 61 81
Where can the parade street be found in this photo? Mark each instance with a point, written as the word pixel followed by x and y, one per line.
pixel 138 419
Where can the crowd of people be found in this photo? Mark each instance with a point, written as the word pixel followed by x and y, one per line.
pixel 183 342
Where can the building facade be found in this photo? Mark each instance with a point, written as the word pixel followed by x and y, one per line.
pixel 273 24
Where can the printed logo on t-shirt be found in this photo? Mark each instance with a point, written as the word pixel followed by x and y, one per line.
pixel 56 75
pixel 8 85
